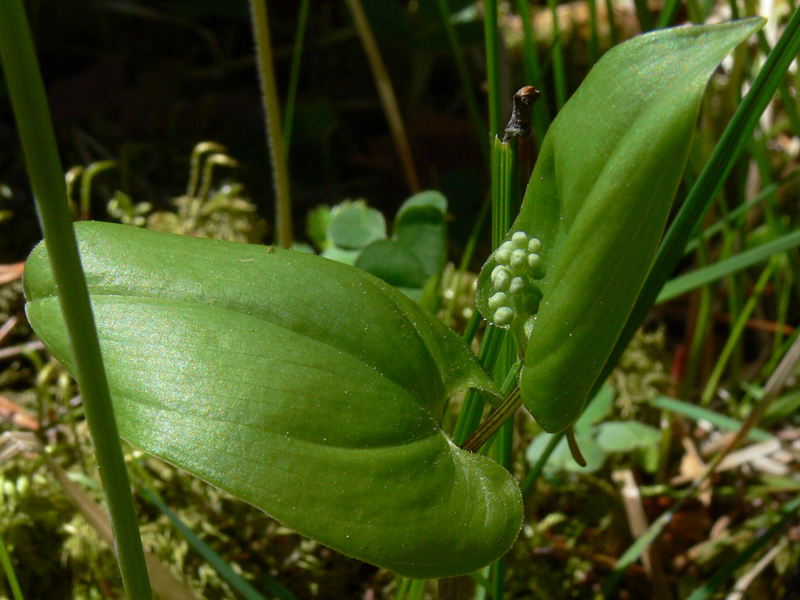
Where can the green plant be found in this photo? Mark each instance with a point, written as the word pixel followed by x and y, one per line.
pixel 554 255
pixel 412 260
pixel 262 358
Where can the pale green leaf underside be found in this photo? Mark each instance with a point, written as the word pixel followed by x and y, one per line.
pixel 307 388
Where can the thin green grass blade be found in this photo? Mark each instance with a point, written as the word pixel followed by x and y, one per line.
pixel 8 569
pixel 698 413
pixel 740 211
pixel 695 279
pixel 294 75
pixel 466 82
pixel 788 512
pixel 735 336
pixel 27 94
pixel 410 589
pixel 559 70
pixel 594 46
pixel 611 29
pixel 645 17
pixel 492 37
pixel 237 582
pixel 667 15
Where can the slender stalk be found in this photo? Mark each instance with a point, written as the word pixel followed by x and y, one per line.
pixel 594 46
pixel 87 176
pixel 466 82
pixel 503 413
pixel 612 31
pixel 735 335
pixel 8 569
pixel 294 76
pixel 26 90
pixel 559 70
pixel 643 12
pixel 272 114
pixel 490 31
pixel 386 92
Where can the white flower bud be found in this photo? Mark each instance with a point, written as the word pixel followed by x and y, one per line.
pixel 503 316
pixel 498 300
pixel 534 261
pixel 518 259
pixel 520 239
pixel 502 255
pixel 517 286
pixel 500 278
pixel 534 246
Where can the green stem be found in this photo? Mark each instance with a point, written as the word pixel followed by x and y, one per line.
pixel 559 70
pixel 272 114
pixel 735 335
pixel 294 76
pixel 513 400
pixel 643 12
pixel 26 90
pixel 386 92
pixel 490 31
pixel 573 446
pixel 466 82
pixel 8 569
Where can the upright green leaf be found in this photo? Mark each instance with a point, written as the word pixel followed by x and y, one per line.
pixel 597 203
pixel 306 387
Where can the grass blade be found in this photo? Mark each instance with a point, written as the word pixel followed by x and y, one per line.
pixel 8 569
pixel 466 82
pixel 695 279
pixel 26 90
pixel 294 76
pixel 698 413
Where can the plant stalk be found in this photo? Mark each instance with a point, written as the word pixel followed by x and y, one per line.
pixel 386 93
pixel 272 114
pixel 28 99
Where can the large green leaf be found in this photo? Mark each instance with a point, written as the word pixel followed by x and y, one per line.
pixel 306 387
pixel 598 201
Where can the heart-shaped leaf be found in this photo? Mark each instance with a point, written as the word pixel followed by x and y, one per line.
pixel 597 204
pixel 306 387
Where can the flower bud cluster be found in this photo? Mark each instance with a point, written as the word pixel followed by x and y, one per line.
pixel 519 264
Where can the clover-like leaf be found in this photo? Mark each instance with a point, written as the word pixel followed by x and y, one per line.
pixel 353 225
pixel 306 387
pixel 597 204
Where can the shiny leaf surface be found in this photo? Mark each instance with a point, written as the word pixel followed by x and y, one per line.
pixel 306 387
